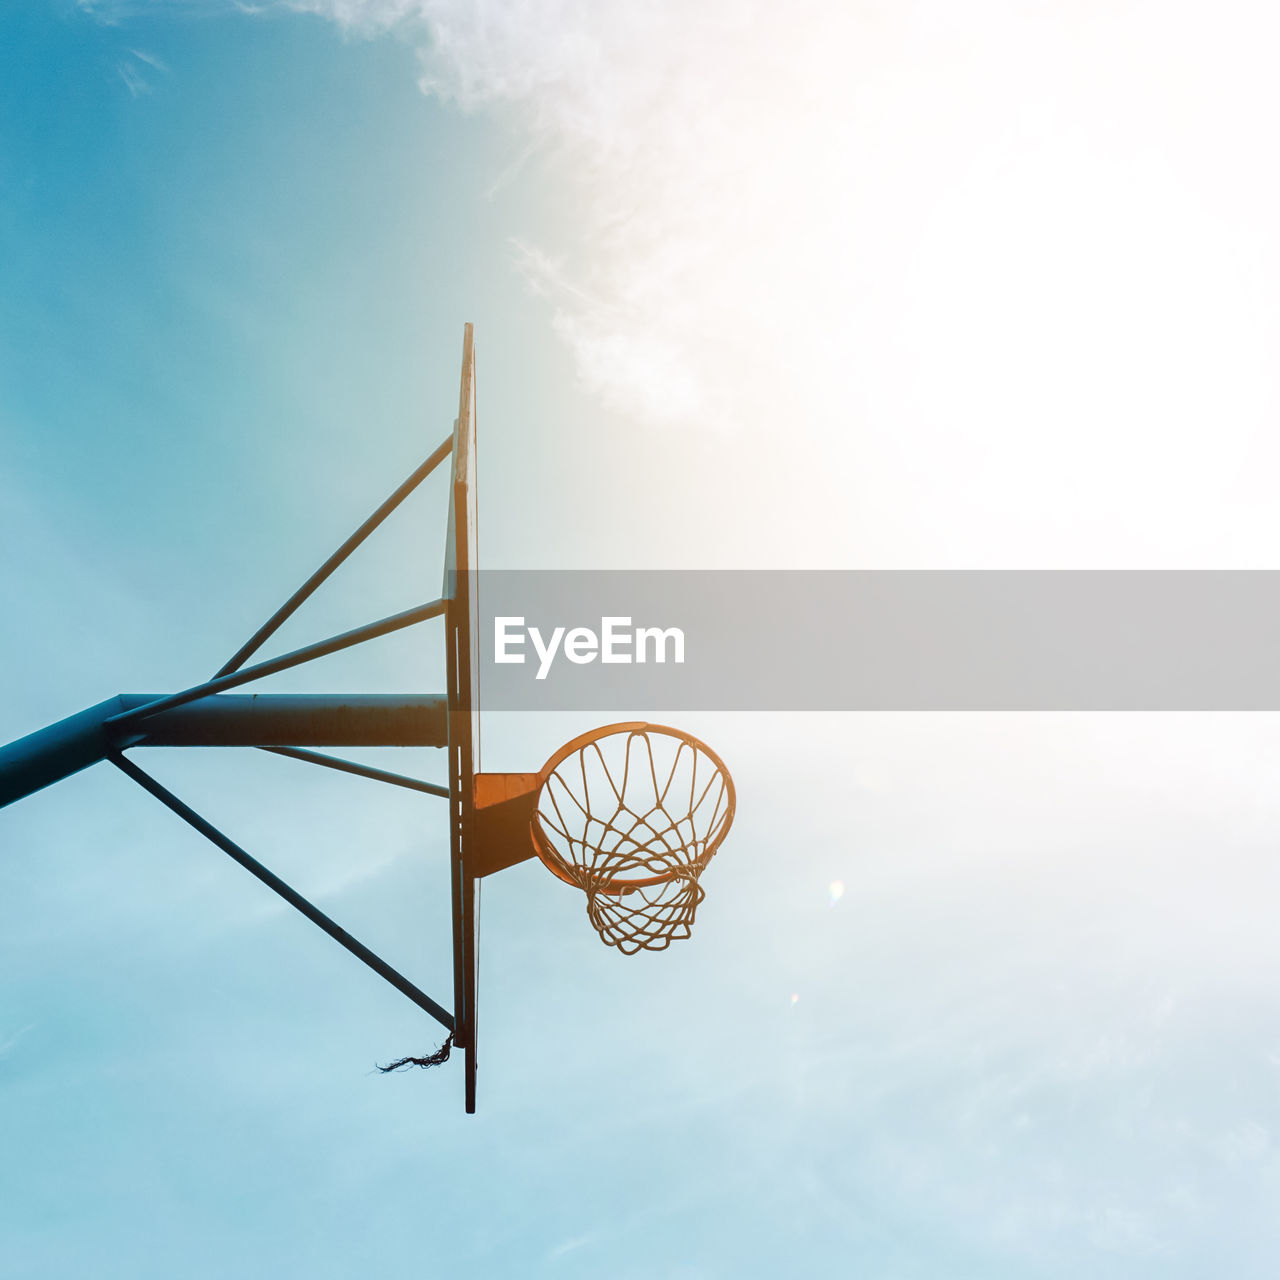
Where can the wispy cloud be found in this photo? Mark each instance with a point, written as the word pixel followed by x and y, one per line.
pixel 571 1245
pixel 104 11
pixel 656 118
pixel 150 59
pixel 8 1042
pixel 136 70
pixel 133 79
pixel 113 13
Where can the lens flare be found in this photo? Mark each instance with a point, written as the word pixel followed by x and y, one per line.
pixel 835 891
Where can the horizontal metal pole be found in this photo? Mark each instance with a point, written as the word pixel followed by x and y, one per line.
pixel 240 720
pixel 304 592
pixel 289 894
pixel 371 631
pixel 297 720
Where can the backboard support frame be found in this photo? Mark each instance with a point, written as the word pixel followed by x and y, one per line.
pixel 490 815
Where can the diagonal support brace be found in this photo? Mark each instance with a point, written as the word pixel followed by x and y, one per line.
pixel 304 592
pixel 290 895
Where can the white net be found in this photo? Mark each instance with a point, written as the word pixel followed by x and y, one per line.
pixel 632 814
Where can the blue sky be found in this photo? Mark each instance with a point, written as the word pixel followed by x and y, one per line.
pixel 886 288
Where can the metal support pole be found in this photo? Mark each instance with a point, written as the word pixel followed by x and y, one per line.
pixel 360 770
pixel 295 720
pixel 237 720
pixel 56 752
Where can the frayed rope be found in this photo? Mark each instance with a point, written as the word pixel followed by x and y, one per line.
pixel 431 1060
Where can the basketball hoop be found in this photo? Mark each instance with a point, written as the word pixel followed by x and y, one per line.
pixel 631 814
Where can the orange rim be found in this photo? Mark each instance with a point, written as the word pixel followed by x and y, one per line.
pixel 550 856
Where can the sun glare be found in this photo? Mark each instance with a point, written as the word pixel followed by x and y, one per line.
pixel 1010 270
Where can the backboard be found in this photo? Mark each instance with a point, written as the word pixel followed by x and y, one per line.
pixel 463 715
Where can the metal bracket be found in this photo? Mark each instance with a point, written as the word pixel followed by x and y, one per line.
pixel 505 804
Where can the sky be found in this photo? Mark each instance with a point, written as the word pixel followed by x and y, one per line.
pixel 881 286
